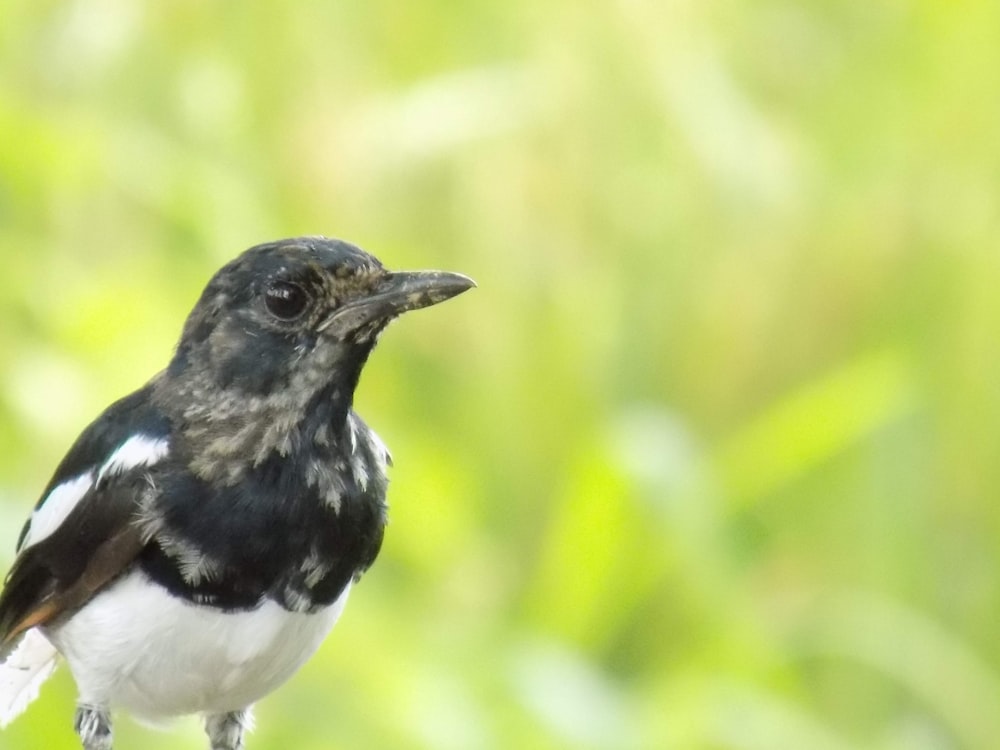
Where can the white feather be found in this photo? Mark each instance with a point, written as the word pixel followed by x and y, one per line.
pixel 138 647
pixel 57 505
pixel 21 676
pixel 138 450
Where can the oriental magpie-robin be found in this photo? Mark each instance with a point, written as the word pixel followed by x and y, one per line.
pixel 199 540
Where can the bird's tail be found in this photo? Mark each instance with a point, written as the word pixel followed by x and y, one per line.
pixel 23 672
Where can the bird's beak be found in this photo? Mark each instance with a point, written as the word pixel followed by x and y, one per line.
pixel 394 295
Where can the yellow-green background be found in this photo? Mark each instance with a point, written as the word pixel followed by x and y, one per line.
pixel 710 459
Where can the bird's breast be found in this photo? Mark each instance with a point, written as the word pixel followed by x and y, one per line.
pixel 137 646
pixel 294 529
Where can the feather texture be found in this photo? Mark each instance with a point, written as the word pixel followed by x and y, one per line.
pixel 138 647
pixel 23 673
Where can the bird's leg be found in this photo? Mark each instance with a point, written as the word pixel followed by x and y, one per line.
pixel 93 725
pixel 225 731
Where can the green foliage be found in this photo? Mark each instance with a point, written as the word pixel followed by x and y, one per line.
pixel 708 461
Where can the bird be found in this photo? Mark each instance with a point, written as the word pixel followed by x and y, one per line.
pixel 199 540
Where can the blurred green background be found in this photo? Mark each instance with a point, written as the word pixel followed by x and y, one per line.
pixel 708 461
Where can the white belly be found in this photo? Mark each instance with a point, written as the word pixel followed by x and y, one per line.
pixel 136 647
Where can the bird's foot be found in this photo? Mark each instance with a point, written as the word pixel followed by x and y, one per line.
pixel 226 731
pixel 93 725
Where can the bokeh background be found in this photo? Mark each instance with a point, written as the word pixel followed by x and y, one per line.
pixel 709 460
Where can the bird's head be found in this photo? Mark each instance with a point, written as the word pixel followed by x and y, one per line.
pixel 288 319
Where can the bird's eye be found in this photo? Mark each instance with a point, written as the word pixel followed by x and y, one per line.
pixel 285 300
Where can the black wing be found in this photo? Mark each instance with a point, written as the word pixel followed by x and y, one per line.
pixel 98 537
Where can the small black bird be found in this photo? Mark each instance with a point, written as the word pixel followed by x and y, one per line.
pixel 199 540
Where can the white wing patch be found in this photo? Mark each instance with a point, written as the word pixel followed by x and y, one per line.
pixel 138 450
pixel 57 505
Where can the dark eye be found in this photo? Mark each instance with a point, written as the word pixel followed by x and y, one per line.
pixel 285 300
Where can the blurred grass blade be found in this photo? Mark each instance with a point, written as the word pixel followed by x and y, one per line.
pixel 598 548
pixel 813 424
pixel 746 717
pixel 921 655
